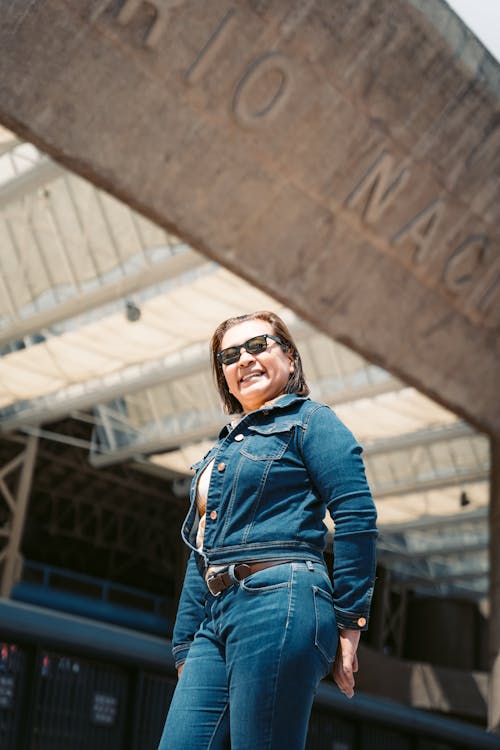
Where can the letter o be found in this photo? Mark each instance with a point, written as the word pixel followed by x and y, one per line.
pixel 266 63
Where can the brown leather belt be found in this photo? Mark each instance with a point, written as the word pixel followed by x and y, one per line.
pixel 219 582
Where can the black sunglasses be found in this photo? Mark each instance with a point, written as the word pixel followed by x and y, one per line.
pixel 255 345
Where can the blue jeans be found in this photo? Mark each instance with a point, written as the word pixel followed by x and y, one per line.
pixel 255 663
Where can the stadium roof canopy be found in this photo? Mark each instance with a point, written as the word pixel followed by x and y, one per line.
pixel 105 317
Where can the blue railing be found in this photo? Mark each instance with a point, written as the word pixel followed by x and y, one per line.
pixel 96 598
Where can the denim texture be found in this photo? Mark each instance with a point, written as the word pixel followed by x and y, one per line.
pixel 274 475
pixel 255 663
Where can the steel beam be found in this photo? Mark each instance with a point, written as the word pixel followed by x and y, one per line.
pixel 477 517
pixel 388 550
pixel 32 179
pixel 137 377
pixel 181 262
pixel 409 487
pixel 420 438
pixel 18 505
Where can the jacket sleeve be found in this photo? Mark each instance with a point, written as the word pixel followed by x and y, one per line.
pixel 333 459
pixel 191 611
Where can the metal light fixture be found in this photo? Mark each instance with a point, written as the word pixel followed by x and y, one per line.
pixel 132 312
pixel 464 499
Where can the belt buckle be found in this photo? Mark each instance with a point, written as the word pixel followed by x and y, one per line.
pixel 209 581
pixel 242 570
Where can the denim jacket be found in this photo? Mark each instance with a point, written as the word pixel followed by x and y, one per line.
pixel 273 477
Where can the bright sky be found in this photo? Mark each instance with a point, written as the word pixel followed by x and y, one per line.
pixel 483 18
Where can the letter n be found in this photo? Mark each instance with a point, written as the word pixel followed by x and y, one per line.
pixel 378 187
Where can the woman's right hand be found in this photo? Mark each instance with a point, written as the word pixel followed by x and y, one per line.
pixel 179 670
pixel 346 661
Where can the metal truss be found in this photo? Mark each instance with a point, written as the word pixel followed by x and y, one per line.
pixel 447 555
pixel 115 385
pixel 126 520
pixel 347 378
pixel 15 484
pixel 453 455
pixel 439 526
pixel 387 629
pixel 146 417
pixel 184 411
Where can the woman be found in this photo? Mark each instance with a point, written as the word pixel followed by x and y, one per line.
pixel 259 622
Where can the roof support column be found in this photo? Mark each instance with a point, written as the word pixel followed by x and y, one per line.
pixel 494 625
pixel 17 505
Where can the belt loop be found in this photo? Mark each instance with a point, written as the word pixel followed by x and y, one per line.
pixel 310 565
pixel 230 572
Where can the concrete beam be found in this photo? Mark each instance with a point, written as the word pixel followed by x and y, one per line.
pixel 494 619
pixel 342 157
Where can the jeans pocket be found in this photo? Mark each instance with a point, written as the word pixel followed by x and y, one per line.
pixel 270 579
pixel 325 637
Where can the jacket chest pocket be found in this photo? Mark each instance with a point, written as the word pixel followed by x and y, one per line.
pixel 266 443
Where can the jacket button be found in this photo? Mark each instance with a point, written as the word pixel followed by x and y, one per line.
pixel 361 622
pixel 221 466
pixel 239 437
pixel 213 516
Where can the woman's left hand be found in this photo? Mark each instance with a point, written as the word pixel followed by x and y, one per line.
pixel 346 661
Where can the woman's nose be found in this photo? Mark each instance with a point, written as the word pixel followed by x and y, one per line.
pixel 245 357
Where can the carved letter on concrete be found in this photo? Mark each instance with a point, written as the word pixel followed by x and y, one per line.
pixel 272 74
pixel 161 10
pixel 210 50
pixel 378 187
pixel 465 263
pixel 421 231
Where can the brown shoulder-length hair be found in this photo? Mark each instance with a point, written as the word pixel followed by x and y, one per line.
pixel 296 382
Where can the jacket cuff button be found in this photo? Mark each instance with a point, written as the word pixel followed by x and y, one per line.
pixel 361 622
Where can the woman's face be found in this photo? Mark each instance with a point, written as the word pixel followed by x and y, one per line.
pixel 256 378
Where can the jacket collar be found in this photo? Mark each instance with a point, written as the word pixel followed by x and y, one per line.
pixel 278 404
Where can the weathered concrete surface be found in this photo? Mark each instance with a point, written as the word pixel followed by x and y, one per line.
pixel 343 156
pixel 494 619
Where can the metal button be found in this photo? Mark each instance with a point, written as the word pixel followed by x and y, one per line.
pixel 361 622
pixel 213 516
pixel 239 437
pixel 221 466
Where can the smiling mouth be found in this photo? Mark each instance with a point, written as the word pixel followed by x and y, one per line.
pixel 251 376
